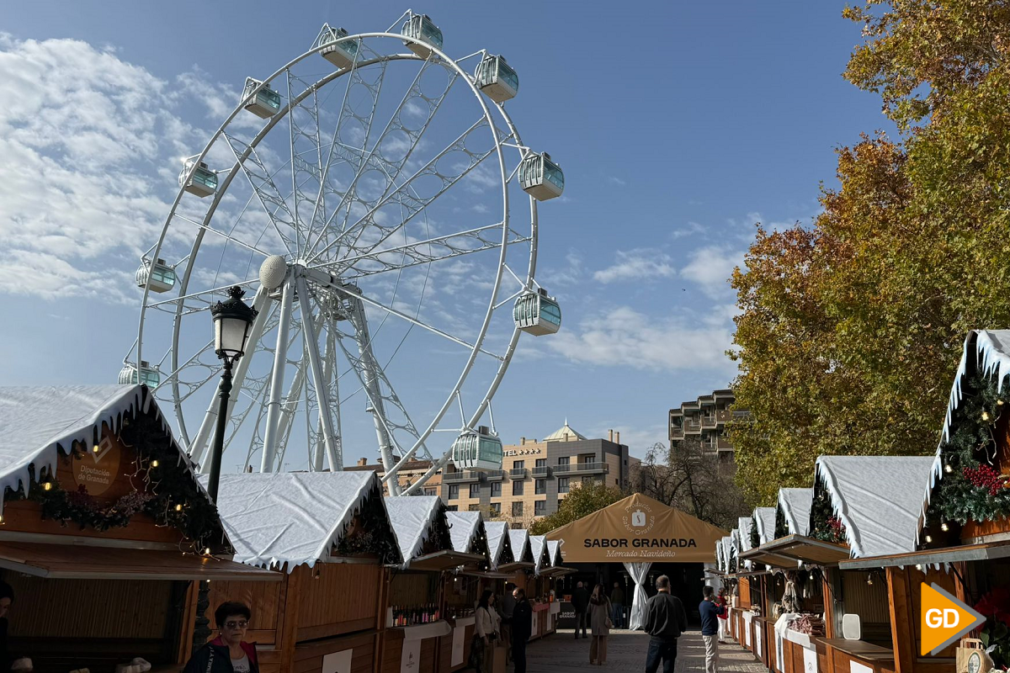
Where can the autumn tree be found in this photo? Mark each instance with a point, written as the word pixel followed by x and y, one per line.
pixel 582 500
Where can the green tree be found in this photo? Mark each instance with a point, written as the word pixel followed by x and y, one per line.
pixel 582 500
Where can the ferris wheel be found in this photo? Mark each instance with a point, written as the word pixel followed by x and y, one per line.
pixel 380 208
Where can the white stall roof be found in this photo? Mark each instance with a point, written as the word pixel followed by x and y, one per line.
pixel 554 551
pixel 520 540
pixel 877 498
pixel 765 519
pixel 290 518
pixel 463 528
pixel 412 518
pixel 744 526
pixel 796 504
pixel 538 544
pixel 497 533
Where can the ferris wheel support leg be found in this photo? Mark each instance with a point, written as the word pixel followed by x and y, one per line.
pixel 356 314
pixel 198 447
pixel 277 379
pixel 329 365
pixel 319 380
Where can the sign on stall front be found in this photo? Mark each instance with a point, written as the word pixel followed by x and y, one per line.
pixel 944 619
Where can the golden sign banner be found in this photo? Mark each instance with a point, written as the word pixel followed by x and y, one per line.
pixel 638 529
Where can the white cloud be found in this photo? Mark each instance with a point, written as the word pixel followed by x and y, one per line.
pixel 568 275
pixel 711 268
pixel 641 263
pixel 623 337
pixel 614 180
pixel 691 229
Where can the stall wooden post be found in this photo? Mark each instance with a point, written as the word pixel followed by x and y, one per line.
pixel 288 626
pixel 902 626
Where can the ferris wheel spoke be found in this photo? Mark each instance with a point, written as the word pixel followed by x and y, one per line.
pixel 332 381
pixel 429 251
pixel 217 232
pixel 262 183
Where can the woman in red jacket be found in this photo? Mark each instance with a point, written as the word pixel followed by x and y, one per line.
pixel 724 617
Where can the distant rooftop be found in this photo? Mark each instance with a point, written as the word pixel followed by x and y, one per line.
pixel 564 434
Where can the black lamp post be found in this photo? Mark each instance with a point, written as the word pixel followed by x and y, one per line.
pixel 232 322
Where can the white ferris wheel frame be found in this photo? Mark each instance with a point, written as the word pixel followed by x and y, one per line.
pixel 391 475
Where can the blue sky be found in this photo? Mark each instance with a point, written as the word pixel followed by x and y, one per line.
pixel 678 126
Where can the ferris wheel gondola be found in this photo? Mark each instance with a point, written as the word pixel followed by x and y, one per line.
pixel 348 210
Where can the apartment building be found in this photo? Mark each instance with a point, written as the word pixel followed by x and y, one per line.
pixel 704 420
pixel 537 474
pixel 408 474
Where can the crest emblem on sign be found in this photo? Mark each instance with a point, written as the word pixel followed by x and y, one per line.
pixel 638 518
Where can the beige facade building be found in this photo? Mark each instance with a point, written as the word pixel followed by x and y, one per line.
pixel 704 420
pixel 537 474
pixel 408 474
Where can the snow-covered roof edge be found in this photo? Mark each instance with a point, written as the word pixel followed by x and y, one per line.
pixel 554 551
pixel 765 519
pixel 538 545
pixel 789 501
pixel 497 531
pixel 523 536
pixel 415 545
pixel 471 524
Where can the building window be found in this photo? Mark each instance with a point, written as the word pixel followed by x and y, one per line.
pixel 541 462
pixel 495 489
pixel 517 487
pixel 474 508
pixel 540 508
pixel 564 461
pixel 475 490
pixel 541 487
pixel 517 509
pixel 431 491
pixel 452 508
pixel 519 464
pixel 496 509
pixel 453 492
pixel 587 480
pixel 562 484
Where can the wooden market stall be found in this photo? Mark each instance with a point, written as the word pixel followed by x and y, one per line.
pixel 538 584
pixel 104 529
pixel 770 588
pixel 419 633
pixel 330 536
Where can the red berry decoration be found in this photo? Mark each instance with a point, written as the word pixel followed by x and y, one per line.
pixel 984 477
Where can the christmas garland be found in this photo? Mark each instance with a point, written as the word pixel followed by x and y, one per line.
pixel 824 524
pixel 972 488
pixel 371 532
pixel 170 496
pixel 781 529
pixel 755 537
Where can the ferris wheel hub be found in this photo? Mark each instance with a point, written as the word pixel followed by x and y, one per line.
pixel 273 271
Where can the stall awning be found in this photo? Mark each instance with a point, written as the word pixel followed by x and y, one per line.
pixel 760 555
pixel 444 560
pixel 56 561
pixel 974 552
pixel 798 548
pixel 512 568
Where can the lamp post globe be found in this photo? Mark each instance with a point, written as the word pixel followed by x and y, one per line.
pixel 232 322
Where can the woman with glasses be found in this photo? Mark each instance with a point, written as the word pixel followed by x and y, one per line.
pixel 227 653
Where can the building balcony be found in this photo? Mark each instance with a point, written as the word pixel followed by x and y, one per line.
pixel 542 472
pixel 464 477
pixel 495 475
pixel 518 473
pixel 676 432
pixel 741 415
pixel 692 427
pixel 722 444
pixel 723 415
pixel 708 422
pixel 592 468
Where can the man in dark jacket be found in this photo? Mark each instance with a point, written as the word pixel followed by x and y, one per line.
pixel 522 628
pixel 227 653
pixel 665 620
pixel 617 600
pixel 580 602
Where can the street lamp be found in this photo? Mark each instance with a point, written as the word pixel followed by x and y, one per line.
pixel 232 322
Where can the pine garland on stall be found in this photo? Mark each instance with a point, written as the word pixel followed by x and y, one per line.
pixel 781 529
pixel 824 524
pixel 972 488
pixel 755 537
pixel 370 533
pixel 169 496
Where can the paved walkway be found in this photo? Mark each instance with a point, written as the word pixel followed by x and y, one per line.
pixel 561 653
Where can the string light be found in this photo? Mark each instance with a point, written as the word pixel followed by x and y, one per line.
pixel 207 551
pixel 869 579
pixel 47 486
pixel 929 538
pixel 944 527
pixel 999 403
pixel 178 508
pixel 95 448
pixel 985 415
pixel 918 566
pixel 948 469
pixel 154 463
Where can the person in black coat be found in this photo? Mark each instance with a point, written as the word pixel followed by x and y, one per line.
pixel 580 602
pixel 522 628
pixel 227 653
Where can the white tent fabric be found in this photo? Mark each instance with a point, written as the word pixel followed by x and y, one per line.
pixel 520 540
pixel 35 420
pixel 764 517
pixel 537 543
pixel 290 518
pixel 795 504
pixel 497 533
pixel 727 550
pixel 412 518
pixel 463 527
pixel 877 498
pixel 638 572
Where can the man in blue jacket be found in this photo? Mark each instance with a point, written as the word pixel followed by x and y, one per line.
pixel 710 612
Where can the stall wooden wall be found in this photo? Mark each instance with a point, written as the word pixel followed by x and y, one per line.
pixel 337 598
pixel 445 651
pixel 309 656
pixel 265 599
pixel 392 651
pixel 743 591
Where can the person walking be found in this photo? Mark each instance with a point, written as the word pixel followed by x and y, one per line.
pixel 710 612
pixel 724 615
pixel 617 600
pixel 508 605
pixel 580 602
pixel 488 628
pixel 228 653
pixel 665 620
pixel 522 629
pixel 600 609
